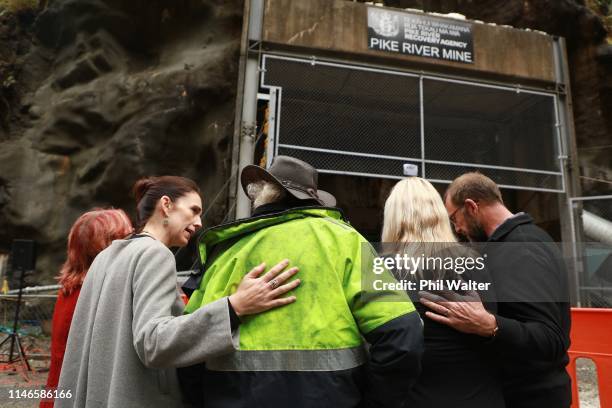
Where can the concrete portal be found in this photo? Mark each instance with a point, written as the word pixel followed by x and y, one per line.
pixel 370 94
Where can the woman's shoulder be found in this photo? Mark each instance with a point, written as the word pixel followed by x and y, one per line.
pixel 133 255
pixel 142 243
pixel 135 247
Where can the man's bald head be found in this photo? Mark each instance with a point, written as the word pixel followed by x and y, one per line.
pixel 474 186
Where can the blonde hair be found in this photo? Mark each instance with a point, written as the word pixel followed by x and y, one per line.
pixel 415 213
pixel 263 192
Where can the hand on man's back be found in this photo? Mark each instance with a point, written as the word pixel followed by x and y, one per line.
pixel 464 313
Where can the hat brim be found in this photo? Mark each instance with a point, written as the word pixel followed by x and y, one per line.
pixel 252 174
pixel 325 198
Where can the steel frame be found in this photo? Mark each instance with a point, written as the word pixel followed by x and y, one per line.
pixel 275 98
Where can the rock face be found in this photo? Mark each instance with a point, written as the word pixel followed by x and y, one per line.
pixel 102 93
pixel 96 93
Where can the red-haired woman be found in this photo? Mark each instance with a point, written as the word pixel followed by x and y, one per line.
pixel 91 233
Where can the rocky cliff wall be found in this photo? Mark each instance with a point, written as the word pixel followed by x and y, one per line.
pixel 98 93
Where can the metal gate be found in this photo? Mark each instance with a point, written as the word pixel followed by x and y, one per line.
pixel 366 121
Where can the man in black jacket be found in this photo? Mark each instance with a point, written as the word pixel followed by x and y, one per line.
pixel 530 331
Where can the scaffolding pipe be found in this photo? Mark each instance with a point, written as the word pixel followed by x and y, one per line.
pixel 597 228
pixel 248 130
pixel 248 123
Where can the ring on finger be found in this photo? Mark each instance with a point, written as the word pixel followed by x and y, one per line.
pixel 273 283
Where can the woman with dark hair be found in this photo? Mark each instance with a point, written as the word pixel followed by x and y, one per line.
pixel 132 331
pixel 91 233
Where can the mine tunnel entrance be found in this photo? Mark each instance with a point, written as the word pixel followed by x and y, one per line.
pixel 365 128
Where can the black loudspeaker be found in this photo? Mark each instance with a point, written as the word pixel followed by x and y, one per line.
pixel 23 255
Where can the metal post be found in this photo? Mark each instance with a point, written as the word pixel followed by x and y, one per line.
pixel 577 266
pixel 17 309
pixel 248 121
pixel 568 162
pixel 271 150
pixel 248 132
pixel 251 32
pixel 422 116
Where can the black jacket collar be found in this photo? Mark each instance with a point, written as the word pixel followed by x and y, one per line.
pixel 270 208
pixel 507 226
pixel 282 206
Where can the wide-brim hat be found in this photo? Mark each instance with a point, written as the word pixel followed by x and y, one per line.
pixel 295 176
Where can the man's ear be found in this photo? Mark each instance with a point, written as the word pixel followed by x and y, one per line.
pixel 471 206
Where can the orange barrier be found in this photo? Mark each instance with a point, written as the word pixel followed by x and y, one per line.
pixel 591 336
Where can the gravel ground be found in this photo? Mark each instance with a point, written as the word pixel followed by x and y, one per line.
pixel 10 379
pixel 587 384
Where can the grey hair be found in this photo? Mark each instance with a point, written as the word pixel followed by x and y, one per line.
pixel 263 192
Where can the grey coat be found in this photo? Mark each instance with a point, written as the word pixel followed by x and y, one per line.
pixel 128 331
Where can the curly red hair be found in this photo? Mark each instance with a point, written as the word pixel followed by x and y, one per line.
pixel 91 233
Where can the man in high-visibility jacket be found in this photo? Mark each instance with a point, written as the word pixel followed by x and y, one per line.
pixel 310 353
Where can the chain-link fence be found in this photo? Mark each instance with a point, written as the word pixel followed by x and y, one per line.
pixel 592 221
pixel 33 325
pixel 367 121
pixel 35 317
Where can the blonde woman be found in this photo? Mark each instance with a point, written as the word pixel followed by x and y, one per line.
pixel 457 368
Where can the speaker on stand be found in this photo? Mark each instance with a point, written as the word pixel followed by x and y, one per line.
pixel 22 260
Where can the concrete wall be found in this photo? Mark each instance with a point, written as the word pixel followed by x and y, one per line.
pixel 341 26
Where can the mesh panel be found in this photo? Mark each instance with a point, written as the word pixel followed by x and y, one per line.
pixel 33 312
pixel 596 256
pixel 342 109
pixel 34 328
pixel 473 124
pixel 501 177
pixel 326 162
pixel 335 108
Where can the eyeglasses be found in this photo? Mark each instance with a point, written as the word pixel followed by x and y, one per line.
pixel 452 216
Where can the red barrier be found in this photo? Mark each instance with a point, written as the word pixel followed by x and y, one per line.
pixel 591 336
